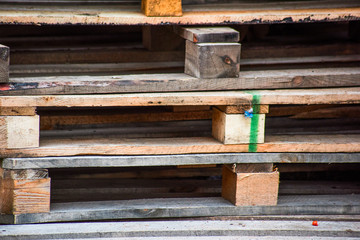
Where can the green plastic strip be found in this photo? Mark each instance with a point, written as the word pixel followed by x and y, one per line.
pixel 254 124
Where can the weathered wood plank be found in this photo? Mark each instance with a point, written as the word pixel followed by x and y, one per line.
pixel 265 97
pixel 174 160
pixel 19 131
pixel 163 146
pixel 4 63
pixel 208 34
pixel 269 79
pixel 212 60
pixel 189 229
pixel 237 13
pixel 242 108
pixel 194 207
pixel 17 111
pixel 161 8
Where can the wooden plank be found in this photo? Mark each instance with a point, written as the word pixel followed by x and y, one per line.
pixel 190 108
pixel 163 146
pixel 266 97
pixel 250 188
pixel 174 160
pixel 4 63
pixel 189 229
pixel 161 8
pixel 209 14
pixel 17 111
pixel 269 79
pixel 19 131
pixel 29 193
pixel 194 207
pixel 242 108
pixel 237 128
pixel 212 60
pixel 208 34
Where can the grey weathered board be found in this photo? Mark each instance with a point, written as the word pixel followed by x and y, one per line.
pixel 208 34
pixel 186 207
pixel 194 229
pixel 270 79
pixel 174 160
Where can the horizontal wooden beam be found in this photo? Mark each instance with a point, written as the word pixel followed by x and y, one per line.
pixel 177 160
pixel 205 14
pixel 264 97
pixel 208 34
pixel 269 79
pixel 185 207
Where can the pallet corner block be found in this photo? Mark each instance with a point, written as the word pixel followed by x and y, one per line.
pixel 4 63
pixel 161 8
pixel 237 128
pixel 250 188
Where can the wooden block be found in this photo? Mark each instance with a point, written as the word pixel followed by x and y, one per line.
pixel 250 189
pixel 161 38
pixel 241 109
pixel 212 60
pixel 19 131
pixel 236 128
pixel 17 111
pixel 4 63
pixel 208 34
pixel 161 8
pixel 30 195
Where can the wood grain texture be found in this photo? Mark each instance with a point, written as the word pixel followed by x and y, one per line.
pixel 4 63
pixel 184 159
pixel 242 108
pixel 208 14
pixel 269 79
pixel 19 131
pixel 212 60
pixel 208 34
pixel 250 189
pixel 194 207
pixel 162 146
pixel 17 111
pixel 236 128
pixel 161 8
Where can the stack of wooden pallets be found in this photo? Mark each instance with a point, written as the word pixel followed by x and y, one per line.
pixel 188 95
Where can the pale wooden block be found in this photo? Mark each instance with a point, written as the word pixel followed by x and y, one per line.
pixel 212 60
pixel 250 189
pixel 19 131
pixel 17 111
pixel 236 128
pixel 208 34
pixel 4 63
pixel 161 8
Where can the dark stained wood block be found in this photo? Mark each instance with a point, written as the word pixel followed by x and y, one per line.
pixel 212 60
pixel 4 63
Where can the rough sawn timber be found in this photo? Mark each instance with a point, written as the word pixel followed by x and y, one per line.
pixel 301 96
pixel 269 79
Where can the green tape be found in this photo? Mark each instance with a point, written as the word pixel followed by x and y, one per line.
pixel 254 124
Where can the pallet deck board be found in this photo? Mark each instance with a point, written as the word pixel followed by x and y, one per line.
pixel 175 82
pixel 189 207
pixel 163 146
pixel 293 96
pixel 121 14
pixel 176 160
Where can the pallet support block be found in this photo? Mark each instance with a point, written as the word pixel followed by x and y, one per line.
pixel 19 128
pixel 252 185
pixel 161 8
pixel 4 63
pixel 237 128
pixel 24 191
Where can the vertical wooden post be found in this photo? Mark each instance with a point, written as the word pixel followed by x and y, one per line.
pixel 161 8
pixel 4 63
pixel 24 191
pixel 19 128
pixel 250 184
pixel 236 128
pixel 211 52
